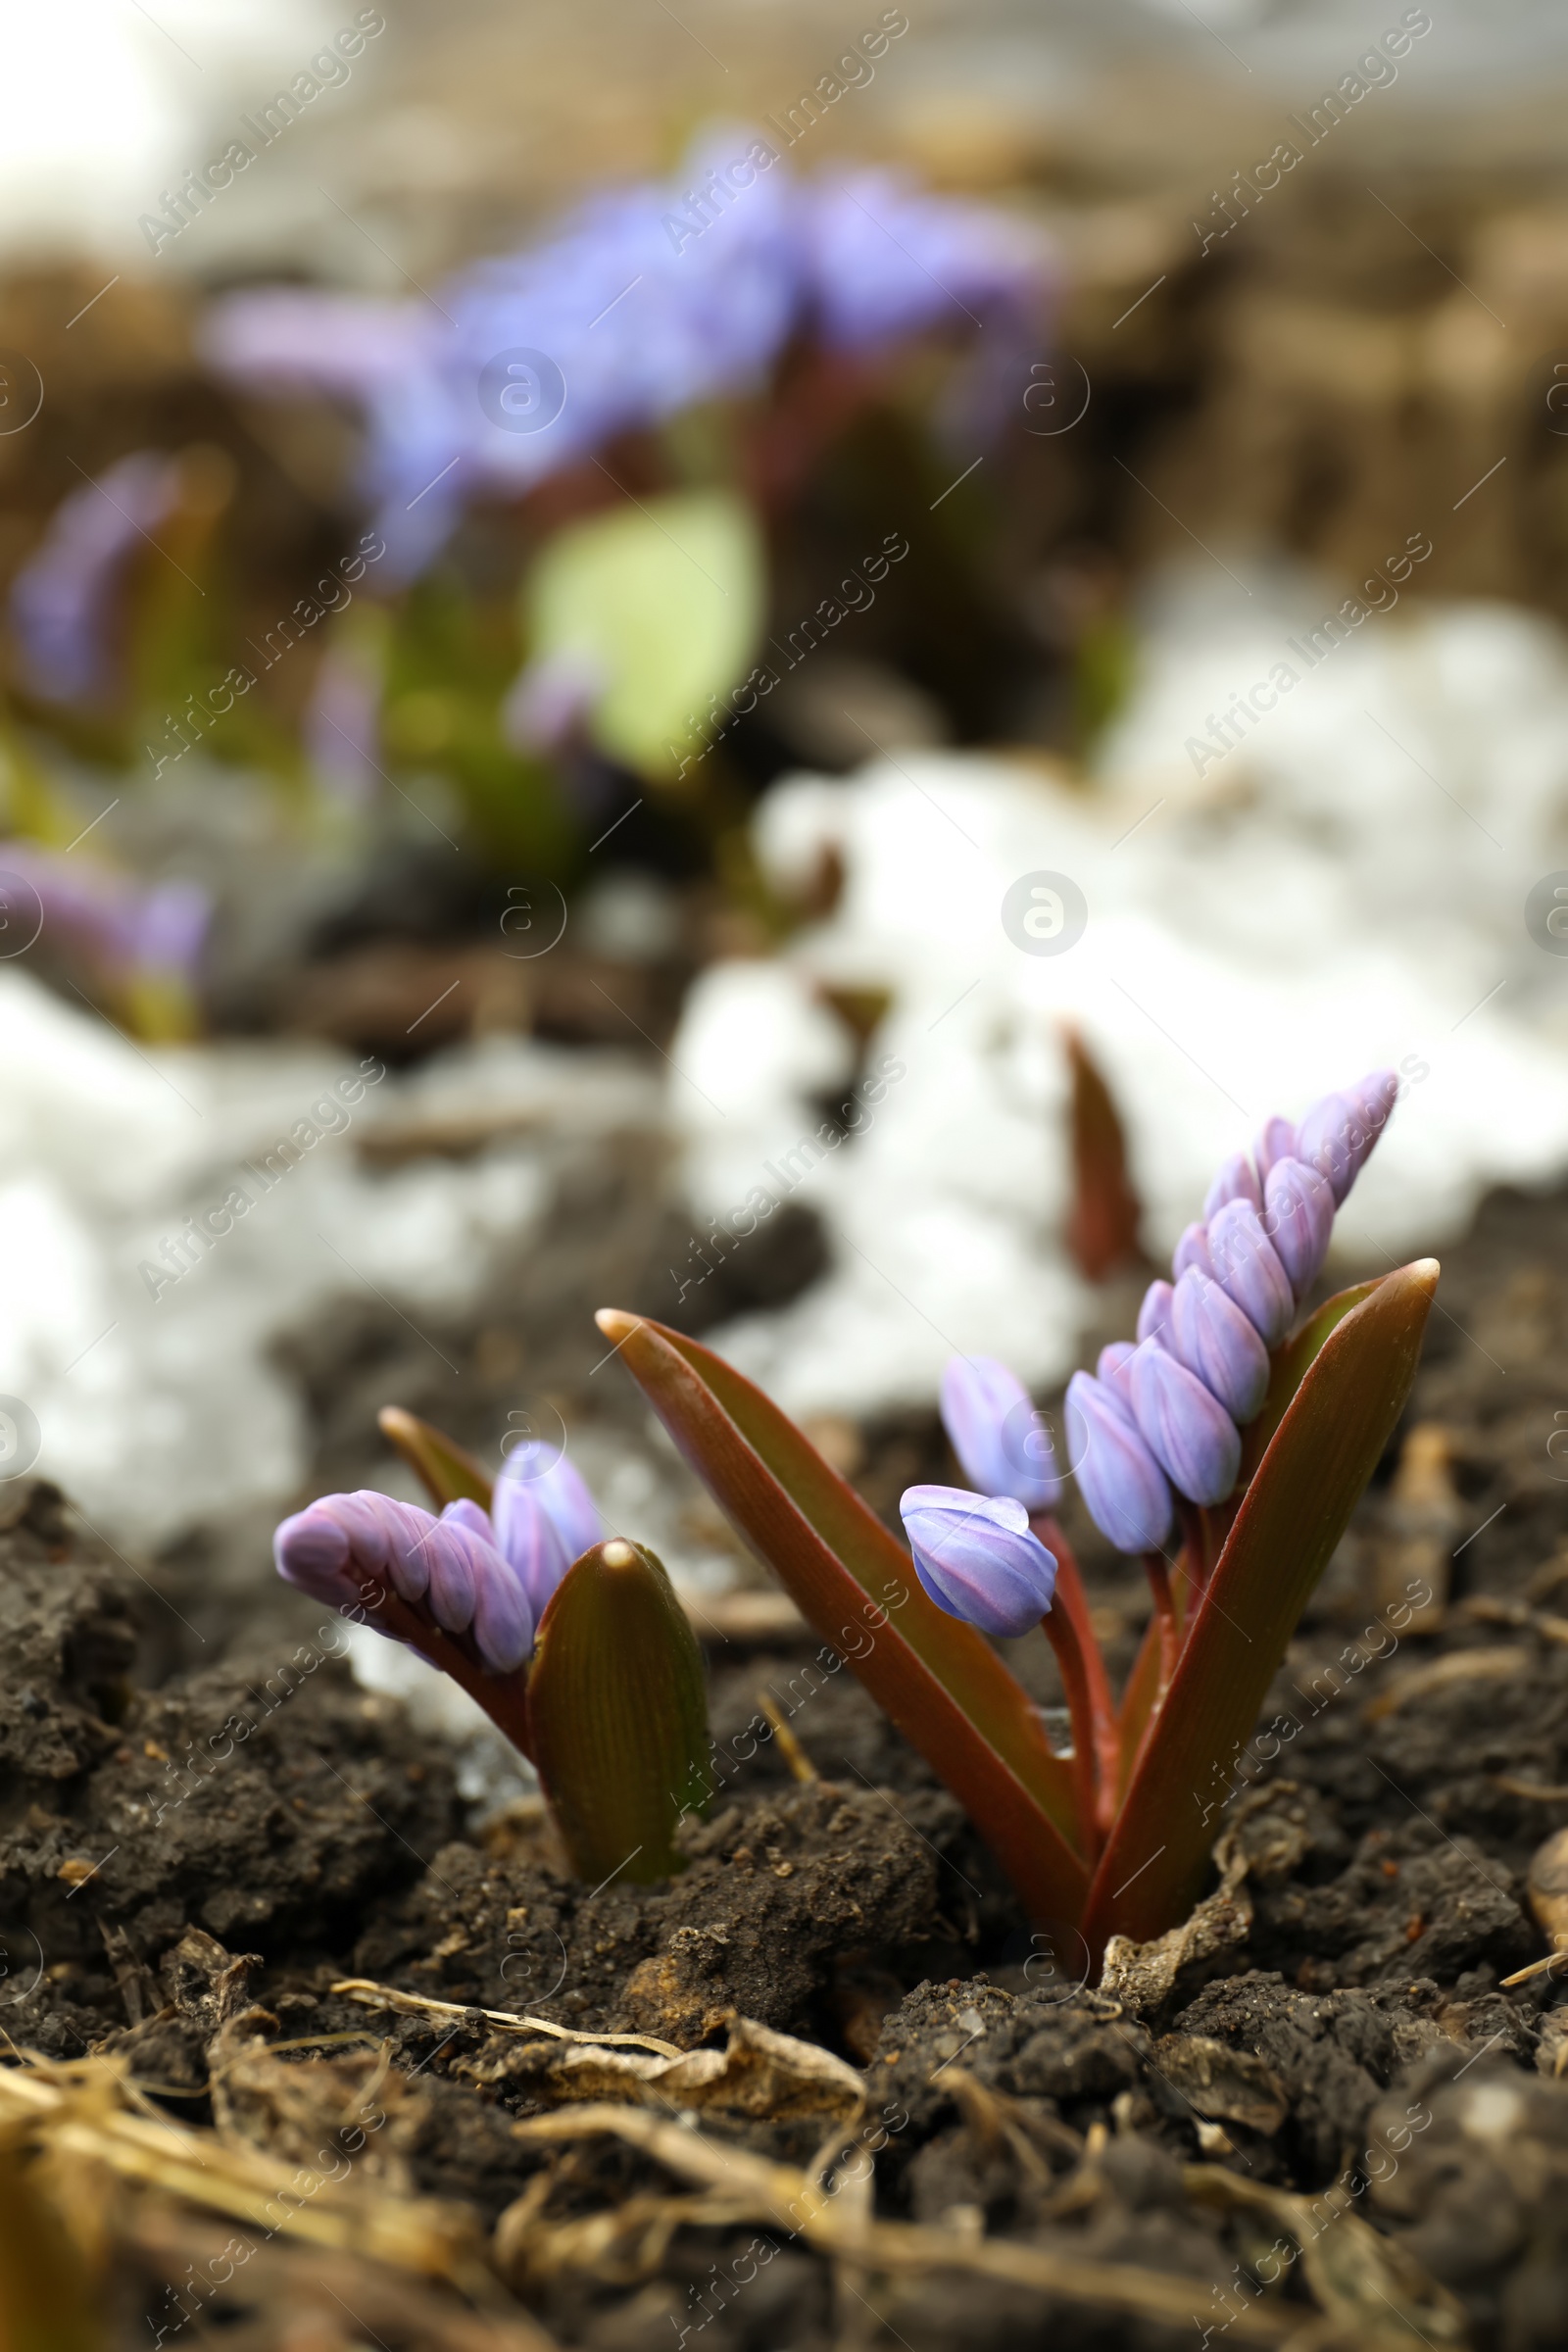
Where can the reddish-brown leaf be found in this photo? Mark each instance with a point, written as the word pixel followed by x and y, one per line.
pixel 938 1678
pixel 1325 1448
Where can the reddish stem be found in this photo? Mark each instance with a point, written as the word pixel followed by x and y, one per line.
pixel 1165 1614
pixel 503 1697
pixel 1062 1635
pixel 1073 1601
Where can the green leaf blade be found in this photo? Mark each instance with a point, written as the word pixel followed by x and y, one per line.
pixel 617 1714
pixel 936 1678
pixel 1327 1443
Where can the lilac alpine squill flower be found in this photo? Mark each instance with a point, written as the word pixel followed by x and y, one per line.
pixel 1276 1140
pixel 1248 1265
pixel 1127 1494
pixel 1336 1134
pixel 544 1518
pixel 1193 1251
pixel 1186 1428
pixel 976 1557
pixel 1000 1440
pixel 62 596
pixel 1214 1339
pixel 1236 1181
pixel 1154 1315
pixel 1201 1370
pixel 445 1569
pixel 1298 1219
pixel 884 258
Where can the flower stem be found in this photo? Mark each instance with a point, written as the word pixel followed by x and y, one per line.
pixel 1165 1613
pixel 1062 1635
pixel 1073 1601
pixel 503 1697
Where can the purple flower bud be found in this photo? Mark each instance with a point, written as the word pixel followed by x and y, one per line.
pixel 1111 1368
pixel 976 1557
pixel 1374 1096
pixel 560 1492
pixel 1323 1140
pixel 1154 1313
pixel 1337 1133
pixel 1193 1251
pixel 1276 1140
pixel 1377 1092
pixel 1236 1181
pixel 63 596
pixel 1002 1442
pixel 1213 1339
pixel 1298 1219
pixel 170 927
pixel 447 1568
pixel 1188 1431
pixel 1247 1265
pixel 1121 1483
pixel 465 1512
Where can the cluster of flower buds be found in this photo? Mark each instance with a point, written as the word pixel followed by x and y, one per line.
pixel 1163 1417
pixel 976 1554
pixel 484 1576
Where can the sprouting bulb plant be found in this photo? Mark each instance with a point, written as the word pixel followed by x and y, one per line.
pixel 1227 1445
pixel 575 1647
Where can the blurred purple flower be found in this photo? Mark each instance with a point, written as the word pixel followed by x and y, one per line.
pixel 884 260
pixel 343 725
pixel 125 926
pixel 976 1557
pixel 552 699
pixel 643 306
pixel 62 597
pixel 1002 1442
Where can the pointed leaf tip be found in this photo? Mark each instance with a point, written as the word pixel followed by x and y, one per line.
pixel 616 1323
pixel 448 1471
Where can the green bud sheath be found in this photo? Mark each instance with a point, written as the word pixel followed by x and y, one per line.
pixel 617 1714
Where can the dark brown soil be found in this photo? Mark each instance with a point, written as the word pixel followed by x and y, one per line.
pixel 1339 2021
